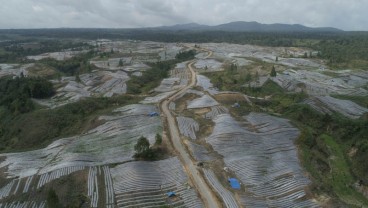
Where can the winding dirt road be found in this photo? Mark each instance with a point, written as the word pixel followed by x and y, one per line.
pixel 204 190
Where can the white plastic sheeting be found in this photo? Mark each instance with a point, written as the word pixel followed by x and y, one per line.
pixel 263 156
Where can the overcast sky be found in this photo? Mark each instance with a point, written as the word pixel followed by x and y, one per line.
pixel 343 14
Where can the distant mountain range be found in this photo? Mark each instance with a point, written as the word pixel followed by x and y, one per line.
pixel 242 26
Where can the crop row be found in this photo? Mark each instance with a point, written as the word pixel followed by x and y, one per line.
pixel 25 204
pixel 145 184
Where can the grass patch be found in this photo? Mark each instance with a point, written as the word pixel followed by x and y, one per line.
pixel 340 178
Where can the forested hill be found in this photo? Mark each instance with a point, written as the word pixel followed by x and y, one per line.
pixel 241 26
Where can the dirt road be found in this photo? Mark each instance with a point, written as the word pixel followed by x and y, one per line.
pixel 204 190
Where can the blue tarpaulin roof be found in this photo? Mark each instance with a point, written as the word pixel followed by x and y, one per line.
pixel 153 114
pixel 170 194
pixel 234 183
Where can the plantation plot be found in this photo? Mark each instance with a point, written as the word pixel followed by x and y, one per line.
pixel 188 127
pixel 5 191
pixel 99 83
pixel 227 196
pixel 25 164
pixel 233 52
pixel 14 69
pixel 327 104
pixel 316 83
pixel 113 63
pixel 208 65
pixel 172 106
pixel 169 84
pixel 298 62
pixel 109 187
pixel 93 186
pixel 263 157
pixel 201 55
pixel 181 71
pixel 50 176
pixel 158 98
pixel 24 204
pixel 146 184
pixel 202 102
pixel 199 152
pixel 215 111
pixel 241 61
pixel 111 142
pixel 169 51
pixel 179 77
pixel 60 56
pixel 206 84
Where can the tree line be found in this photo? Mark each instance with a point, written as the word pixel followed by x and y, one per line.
pixel 16 94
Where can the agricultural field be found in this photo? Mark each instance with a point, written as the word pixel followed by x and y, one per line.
pixel 279 135
pixel 259 149
pixel 109 143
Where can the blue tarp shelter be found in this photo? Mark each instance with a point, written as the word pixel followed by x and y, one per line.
pixel 153 114
pixel 171 194
pixel 234 183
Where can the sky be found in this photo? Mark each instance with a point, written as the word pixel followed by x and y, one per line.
pixel 342 14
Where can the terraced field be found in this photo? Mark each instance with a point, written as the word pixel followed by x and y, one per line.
pixel 145 184
pixel 98 83
pixel 215 111
pixel 202 102
pixel 208 65
pixel 314 82
pixel 226 195
pixel 199 152
pixel 23 204
pixel 111 142
pixel 327 104
pixel 263 156
pixel 205 83
pixel 188 127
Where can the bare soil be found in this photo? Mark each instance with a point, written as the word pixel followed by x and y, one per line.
pixel 229 98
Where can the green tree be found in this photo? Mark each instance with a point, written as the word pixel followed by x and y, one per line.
pixel 273 72
pixel 77 78
pixel 277 59
pixel 233 67
pixel 53 199
pixel 142 149
pixel 121 63
pixel 158 139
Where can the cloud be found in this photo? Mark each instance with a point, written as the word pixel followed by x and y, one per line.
pixel 348 15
